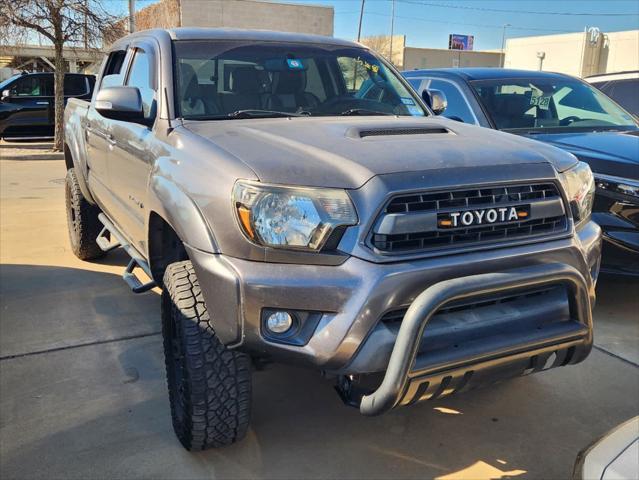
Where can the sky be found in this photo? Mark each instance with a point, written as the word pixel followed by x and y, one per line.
pixel 427 23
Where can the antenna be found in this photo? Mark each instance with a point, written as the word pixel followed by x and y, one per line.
pixel 168 114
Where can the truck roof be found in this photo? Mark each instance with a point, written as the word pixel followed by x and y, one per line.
pixel 195 33
pixel 485 73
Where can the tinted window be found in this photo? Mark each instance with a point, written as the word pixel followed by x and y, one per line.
pixel 113 69
pixel 140 76
pixel 33 86
pixel 549 103
pixel 457 103
pixel 75 85
pixel 624 92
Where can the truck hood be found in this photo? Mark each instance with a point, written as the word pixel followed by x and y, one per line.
pixel 346 152
pixel 610 153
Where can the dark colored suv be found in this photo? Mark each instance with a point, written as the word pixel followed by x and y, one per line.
pixel 26 102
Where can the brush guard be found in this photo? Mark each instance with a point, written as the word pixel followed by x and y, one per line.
pixel 410 377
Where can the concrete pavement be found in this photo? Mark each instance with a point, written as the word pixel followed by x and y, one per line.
pixel 82 390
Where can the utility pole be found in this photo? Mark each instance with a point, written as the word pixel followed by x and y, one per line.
pixel 361 16
pixel 503 43
pixel 390 53
pixel 131 16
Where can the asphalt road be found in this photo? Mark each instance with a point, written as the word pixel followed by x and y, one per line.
pixel 82 389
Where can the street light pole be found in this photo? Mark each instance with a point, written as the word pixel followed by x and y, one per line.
pixel 131 16
pixel 390 53
pixel 503 42
pixel 361 16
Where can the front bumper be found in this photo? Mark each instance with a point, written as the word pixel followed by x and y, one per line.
pixel 353 296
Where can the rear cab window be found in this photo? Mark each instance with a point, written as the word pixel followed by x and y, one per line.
pixel 75 85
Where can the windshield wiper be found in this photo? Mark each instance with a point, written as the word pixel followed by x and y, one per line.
pixel 252 113
pixel 363 111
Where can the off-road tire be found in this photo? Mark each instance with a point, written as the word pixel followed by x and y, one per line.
pixel 82 220
pixel 209 385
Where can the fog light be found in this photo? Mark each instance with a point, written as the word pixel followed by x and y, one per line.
pixel 279 322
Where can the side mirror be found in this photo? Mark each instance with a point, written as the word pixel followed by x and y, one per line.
pixel 120 103
pixel 5 94
pixel 436 99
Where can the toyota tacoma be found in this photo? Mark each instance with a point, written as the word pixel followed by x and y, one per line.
pixel 296 201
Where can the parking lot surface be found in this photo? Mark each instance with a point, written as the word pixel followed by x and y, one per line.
pixel 82 389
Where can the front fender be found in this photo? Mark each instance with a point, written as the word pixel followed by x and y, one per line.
pixel 169 201
pixel 76 149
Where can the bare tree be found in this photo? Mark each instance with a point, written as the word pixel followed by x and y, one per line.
pixel 64 23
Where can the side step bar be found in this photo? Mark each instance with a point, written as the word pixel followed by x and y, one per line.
pixel 110 238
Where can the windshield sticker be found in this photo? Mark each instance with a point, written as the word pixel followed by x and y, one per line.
pixel 408 101
pixel 542 101
pixel 295 64
pixel 368 66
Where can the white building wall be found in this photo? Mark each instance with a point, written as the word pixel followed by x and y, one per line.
pixel 620 52
pixel 563 53
pixel 253 14
pixel 576 53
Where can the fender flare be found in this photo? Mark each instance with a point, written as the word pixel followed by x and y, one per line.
pixel 71 143
pixel 170 202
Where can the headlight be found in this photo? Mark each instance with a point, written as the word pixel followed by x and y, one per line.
pixel 579 185
pixel 291 217
pixel 621 186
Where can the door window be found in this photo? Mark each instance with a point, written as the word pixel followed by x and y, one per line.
pixel 75 85
pixel 140 76
pixel 112 76
pixel 33 86
pixel 458 107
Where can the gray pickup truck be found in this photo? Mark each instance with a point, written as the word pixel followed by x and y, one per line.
pixel 297 202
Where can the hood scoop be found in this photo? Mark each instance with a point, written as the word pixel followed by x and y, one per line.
pixel 387 132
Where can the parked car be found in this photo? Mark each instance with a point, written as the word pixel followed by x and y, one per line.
pixel 615 456
pixel 297 202
pixel 27 104
pixel 623 88
pixel 565 112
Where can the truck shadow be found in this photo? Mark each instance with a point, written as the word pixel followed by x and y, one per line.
pixel 46 307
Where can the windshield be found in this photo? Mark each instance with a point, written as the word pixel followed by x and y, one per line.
pixel 216 80
pixel 550 105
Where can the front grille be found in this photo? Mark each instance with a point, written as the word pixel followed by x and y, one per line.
pixel 424 237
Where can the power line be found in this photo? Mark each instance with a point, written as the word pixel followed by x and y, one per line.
pixel 498 10
pixel 432 20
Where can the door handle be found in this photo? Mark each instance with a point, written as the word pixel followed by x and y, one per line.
pixel 110 139
pixel 42 103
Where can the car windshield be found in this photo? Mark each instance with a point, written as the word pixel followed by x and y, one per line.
pixel 549 104
pixel 241 79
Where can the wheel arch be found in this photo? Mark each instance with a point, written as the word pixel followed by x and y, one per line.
pixel 72 160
